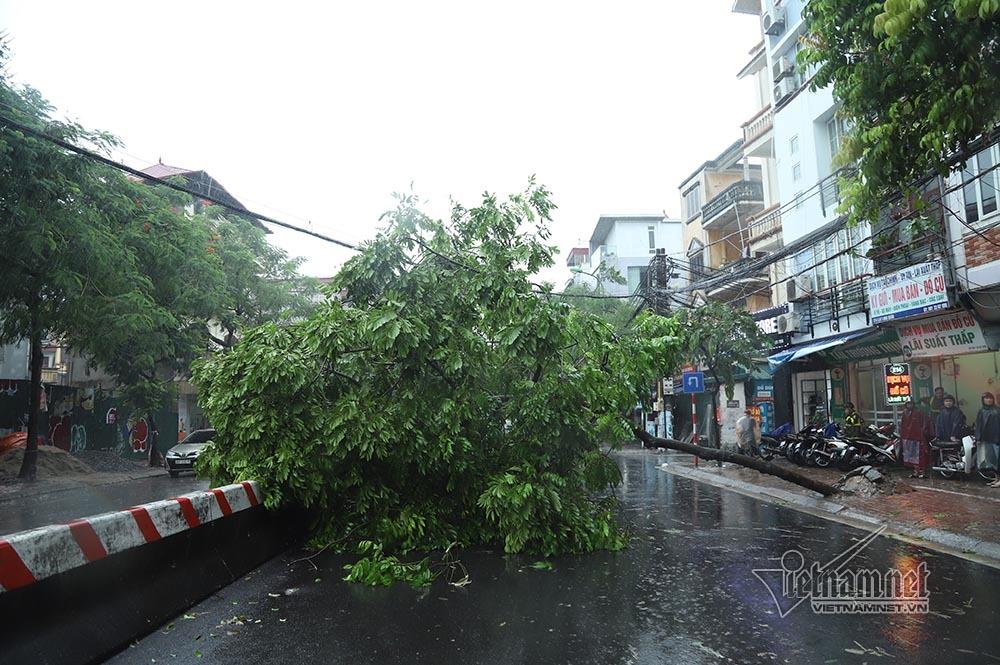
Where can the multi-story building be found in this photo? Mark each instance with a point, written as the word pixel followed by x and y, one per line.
pixel 625 243
pixel 847 316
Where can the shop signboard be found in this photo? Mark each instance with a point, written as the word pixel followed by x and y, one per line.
pixel 946 335
pixel 912 291
pixel 767 321
pixel 898 388
pixel 763 389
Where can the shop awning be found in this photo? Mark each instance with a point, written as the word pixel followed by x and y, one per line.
pixel 807 348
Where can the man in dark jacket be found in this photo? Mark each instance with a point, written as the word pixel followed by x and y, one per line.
pixel 988 435
pixel 950 423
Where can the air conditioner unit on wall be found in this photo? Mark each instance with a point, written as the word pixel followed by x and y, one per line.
pixel 784 88
pixel 783 66
pixel 773 21
pixel 798 288
pixel 788 323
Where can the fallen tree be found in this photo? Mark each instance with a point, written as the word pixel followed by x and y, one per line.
pixel 742 460
pixel 445 401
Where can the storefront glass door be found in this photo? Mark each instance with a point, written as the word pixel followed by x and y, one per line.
pixel 813 404
pixel 871 397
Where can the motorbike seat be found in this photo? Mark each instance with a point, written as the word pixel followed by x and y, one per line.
pixel 946 445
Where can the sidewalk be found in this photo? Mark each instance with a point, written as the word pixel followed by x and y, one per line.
pixel 959 516
pixel 57 500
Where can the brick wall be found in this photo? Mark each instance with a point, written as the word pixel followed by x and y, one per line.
pixel 979 251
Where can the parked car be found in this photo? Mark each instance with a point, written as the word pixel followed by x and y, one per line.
pixel 182 456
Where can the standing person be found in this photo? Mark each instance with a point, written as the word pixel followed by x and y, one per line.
pixel 747 432
pixel 853 422
pixel 915 431
pixel 988 435
pixel 950 423
pixel 937 402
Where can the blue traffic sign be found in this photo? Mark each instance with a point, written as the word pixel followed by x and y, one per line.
pixel 693 382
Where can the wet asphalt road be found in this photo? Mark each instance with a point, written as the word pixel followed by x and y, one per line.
pixel 683 592
pixel 18 513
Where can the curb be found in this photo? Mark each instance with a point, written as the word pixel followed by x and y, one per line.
pixel 980 551
pixel 80 592
pixel 29 556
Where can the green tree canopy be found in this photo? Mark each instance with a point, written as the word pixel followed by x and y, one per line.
pixel 63 254
pixel 260 281
pixel 917 79
pixel 724 340
pixel 446 400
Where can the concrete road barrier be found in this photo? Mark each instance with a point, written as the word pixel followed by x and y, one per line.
pixel 78 592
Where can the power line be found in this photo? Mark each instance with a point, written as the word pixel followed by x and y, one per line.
pixel 792 248
pixel 166 183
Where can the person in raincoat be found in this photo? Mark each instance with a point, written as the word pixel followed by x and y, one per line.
pixel 988 435
pixel 747 432
pixel 915 431
pixel 950 424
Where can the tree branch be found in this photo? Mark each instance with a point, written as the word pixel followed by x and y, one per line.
pixel 736 458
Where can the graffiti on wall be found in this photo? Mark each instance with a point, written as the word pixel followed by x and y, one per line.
pixel 77 438
pixel 77 419
pixel 139 435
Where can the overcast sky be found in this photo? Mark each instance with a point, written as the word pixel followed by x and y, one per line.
pixel 317 112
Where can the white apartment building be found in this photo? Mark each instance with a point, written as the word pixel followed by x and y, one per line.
pixel 840 343
pixel 626 243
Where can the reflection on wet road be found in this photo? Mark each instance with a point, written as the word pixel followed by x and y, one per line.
pixel 20 513
pixel 683 592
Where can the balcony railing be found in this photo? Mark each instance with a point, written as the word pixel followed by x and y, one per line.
pixel 849 297
pixel 738 192
pixel 758 125
pixel 765 224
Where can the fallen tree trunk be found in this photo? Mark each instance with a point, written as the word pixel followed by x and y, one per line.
pixel 736 458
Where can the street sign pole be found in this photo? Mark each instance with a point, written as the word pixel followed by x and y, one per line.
pixel 694 426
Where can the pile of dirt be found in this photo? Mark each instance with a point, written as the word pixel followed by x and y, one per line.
pixel 52 463
pixel 108 461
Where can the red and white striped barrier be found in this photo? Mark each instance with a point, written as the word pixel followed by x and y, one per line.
pixel 29 556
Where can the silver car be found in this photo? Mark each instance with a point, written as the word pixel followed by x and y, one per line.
pixel 182 456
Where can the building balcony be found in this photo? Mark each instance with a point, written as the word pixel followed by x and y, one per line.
pixel 735 204
pixel 741 286
pixel 757 133
pixel 850 297
pixel 55 376
pixel 766 225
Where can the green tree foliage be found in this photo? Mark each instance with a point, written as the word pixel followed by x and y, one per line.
pixel 724 340
pixel 155 324
pixel 260 282
pixel 447 400
pixel 918 79
pixel 594 299
pixel 62 251
pixel 115 268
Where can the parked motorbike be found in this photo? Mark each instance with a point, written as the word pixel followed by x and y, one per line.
pixel 957 457
pixel 874 445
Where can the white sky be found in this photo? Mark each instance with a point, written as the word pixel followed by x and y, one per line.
pixel 313 111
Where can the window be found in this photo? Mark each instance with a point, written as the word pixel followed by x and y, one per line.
pixel 796 172
pixel 793 145
pixel 692 201
pixel 836 128
pixel 980 193
pixel 651 230
pixel 696 259
pixel 797 201
pixel 835 260
pixel 636 277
